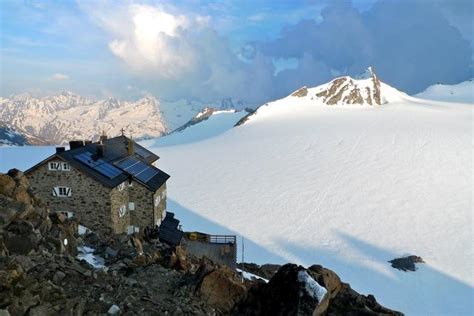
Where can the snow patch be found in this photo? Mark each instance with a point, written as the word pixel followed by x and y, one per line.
pixel 251 276
pixel 87 254
pixel 311 286
pixel 82 230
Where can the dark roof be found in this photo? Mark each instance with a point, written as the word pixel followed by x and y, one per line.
pixel 113 150
pixel 117 148
pixel 169 231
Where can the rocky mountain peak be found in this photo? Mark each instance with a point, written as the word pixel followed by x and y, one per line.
pixel 346 90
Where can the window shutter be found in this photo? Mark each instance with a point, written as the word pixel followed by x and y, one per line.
pixel 55 191
pixel 122 211
pixel 68 192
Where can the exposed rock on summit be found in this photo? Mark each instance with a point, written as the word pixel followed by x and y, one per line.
pixel 346 90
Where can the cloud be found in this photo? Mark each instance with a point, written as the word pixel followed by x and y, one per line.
pixel 179 56
pixel 59 77
pixel 410 43
pixel 174 53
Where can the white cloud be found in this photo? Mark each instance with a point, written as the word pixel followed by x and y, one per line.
pixel 149 38
pixel 177 55
pixel 59 77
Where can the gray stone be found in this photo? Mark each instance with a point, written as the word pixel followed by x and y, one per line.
pixel 114 310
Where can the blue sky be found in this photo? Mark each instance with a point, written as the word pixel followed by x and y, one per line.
pixel 248 50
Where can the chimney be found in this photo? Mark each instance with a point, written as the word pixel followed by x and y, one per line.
pixel 60 149
pixel 130 145
pixel 102 137
pixel 100 150
pixel 73 144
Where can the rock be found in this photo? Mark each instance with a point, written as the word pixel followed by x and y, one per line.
pixel 137 243
pixel 21 237
pixel 349 302
pixel 328 278
pixel 266 271
pixel 40 310
pixel 114 310
pixel 4 312
pixel 7 185
pixel 285 294
pixel 295 290
pixel 406 263
pixel 111 252
pixel 301 92
pixel 58 276
pixel 222 289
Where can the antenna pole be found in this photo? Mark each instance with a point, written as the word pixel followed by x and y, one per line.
pixel 243 260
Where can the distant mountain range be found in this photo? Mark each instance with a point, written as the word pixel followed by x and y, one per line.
pixel 60 118
pixel 11 137
pixel 25 119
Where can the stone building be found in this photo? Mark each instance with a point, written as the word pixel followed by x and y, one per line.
pixel 110 186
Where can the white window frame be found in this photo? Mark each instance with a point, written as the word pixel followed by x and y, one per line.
pixel 54 166
pixel 59 166
pixel 121 186
pixel 122 211
pixel 131 206
pixel 61 191
pixel 68 214
pixel 132 229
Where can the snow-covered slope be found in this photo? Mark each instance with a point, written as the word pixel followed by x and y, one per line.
pixel 67 116
pixel 177 113
pixel 462 92
pixel 11 137
pixel 207 123
pixel 346 187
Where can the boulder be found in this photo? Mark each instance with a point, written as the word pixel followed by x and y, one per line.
pixel 114 310
pixel 328 278
pixel 406 263
pixel 222 289
pixel 7 185
pixel 21 237
pixel 316 291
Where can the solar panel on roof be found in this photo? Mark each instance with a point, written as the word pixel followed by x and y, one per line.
pixel 147 174
pixel 98 165
pixel 108 170
pixel 127 162
pixel 86 158
pixel 142 152
pixel 137 168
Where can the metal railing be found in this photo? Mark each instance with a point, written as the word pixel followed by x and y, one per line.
pixel 222 239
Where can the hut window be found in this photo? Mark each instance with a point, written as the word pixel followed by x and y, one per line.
pixel 54 166
pixel 58 166
pixel 122 211
pixel 62 191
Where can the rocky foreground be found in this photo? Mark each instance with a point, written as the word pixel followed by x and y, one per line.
pixel 40 273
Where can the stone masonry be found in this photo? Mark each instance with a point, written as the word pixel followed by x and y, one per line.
pixel 96 206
